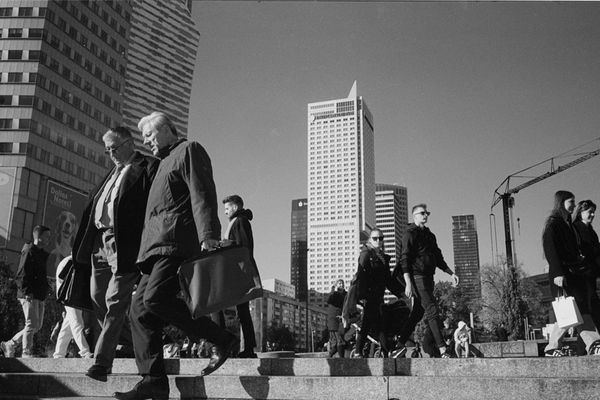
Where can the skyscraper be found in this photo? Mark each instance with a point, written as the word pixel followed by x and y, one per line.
pixel 391 215
pixel 466 254
pixel 63 84
pixel 341 189
pixel 162 51
pixel 299 247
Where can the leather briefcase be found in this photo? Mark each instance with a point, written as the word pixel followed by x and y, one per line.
pixel 75 288
pixel 219 279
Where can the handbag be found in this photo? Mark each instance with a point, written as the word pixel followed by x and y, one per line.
pixel 75 288
pixel 566 312
pixel 219 279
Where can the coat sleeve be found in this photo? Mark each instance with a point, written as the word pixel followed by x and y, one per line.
pixel 242 234
pixel 25 273
pixel 551 243
pixel 405 256
pixel 441 263
pixel 203 194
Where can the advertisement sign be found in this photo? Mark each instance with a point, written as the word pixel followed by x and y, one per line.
pixel 62 212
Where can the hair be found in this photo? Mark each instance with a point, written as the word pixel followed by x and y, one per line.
pixel 157 120
pixel 375 229
pixel 121 132
pixel 39 229
pixel 559 201
pixel 582 206
pixel 235 199
pixel 421 205
pixel 339 280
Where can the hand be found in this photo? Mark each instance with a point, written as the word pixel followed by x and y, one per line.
pixel 28 297
pixel 560 281
pixel 454 280
pixel 345 323
pixel 209 244
pixel 408 292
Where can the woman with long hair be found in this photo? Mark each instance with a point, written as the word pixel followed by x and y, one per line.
pixel 562 251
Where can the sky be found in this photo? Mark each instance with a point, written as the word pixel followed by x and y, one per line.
pixel 463 94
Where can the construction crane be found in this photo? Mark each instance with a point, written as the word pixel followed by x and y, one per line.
pixel 504 192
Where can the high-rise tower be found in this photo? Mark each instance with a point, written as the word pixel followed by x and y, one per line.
pixel 341 189
pixel 299 247
pixel 466 254
pixel 391 214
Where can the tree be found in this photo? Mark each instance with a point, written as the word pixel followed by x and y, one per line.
pixel 508 298
pixel 280 338
pixel 11 313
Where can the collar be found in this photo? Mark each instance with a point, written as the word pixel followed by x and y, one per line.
pixel 164 152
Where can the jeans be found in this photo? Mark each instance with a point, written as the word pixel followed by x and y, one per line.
pixel 34 316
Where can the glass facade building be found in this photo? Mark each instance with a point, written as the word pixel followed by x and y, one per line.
pixel 466 254
pixel 299 247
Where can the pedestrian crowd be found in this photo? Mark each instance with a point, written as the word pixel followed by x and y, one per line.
pixel 151 213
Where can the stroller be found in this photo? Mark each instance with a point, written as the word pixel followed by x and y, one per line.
pixel 394 316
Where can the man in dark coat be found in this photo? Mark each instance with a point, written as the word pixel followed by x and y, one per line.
pixel 108 240
pixel 335 303
pixel 181 220
pixel 239 231
pixel 32 289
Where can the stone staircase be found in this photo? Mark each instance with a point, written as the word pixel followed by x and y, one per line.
pixel 318 378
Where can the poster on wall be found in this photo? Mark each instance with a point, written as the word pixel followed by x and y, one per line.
pixel 62 212
pixel 7 189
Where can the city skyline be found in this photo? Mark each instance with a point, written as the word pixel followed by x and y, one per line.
pixel 463 95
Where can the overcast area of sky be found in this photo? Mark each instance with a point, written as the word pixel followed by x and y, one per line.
pixel 463 94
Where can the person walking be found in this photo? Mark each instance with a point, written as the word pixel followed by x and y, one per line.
pixel 72 325
pixel 32 289
pixel 108 240
pixel 180 221
pixel 419 259
pixel 239 231
pixel 462 340
pixel 335 303
pixel 562 250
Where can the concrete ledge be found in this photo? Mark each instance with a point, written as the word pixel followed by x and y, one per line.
pixel 520 348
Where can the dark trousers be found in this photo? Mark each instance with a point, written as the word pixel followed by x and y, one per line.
pixel 243 313
pixel 371 324
pixel 424 304
pixel 156 304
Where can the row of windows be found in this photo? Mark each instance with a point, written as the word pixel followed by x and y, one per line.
pixel 21 12
pixel 31 33
pixel 84 19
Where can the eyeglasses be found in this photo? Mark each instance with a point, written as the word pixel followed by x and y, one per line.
pixel 109 150
pixel 423 213
pixel 376 237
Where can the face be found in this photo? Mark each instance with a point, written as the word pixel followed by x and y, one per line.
pixel 339 285
pixel 230 208
pixel 43 239
pixel 420 216
pixel 569 205
pixel 376 239
pixel 157 138
pixel 118 150
pixel 587 216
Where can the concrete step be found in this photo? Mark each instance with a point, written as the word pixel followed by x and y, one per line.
pixel 564 367
pixel 37 385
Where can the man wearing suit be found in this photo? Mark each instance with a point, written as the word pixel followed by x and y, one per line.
pixel 181 219
pixel 108 240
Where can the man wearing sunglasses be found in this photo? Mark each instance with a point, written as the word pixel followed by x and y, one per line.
pixel 108 240
pixel 420 257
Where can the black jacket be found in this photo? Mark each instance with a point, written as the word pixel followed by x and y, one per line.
pixel 129 208
pixel 335 303
pixel 420 253
pixel 31 274
pixel 560 245
pixel 373 274
pixel 241 231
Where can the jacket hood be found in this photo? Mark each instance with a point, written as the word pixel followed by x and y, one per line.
pixel 244 213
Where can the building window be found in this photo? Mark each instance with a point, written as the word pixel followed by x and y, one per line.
pixel 15 32
pixel 34 54
pixel 6 12
pixel 5 100
pixel 22 224
pixel 15 54
pixel 26 100
pixel 25 11
pixel 24 124
pixel 5 123
pixel 6 147
pixel 36 33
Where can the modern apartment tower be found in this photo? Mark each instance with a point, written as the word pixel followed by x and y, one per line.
pixel 64 74
pixel 466 254
pixel 299 247
pixel 162 51
pixel 391 216
pixel 341 189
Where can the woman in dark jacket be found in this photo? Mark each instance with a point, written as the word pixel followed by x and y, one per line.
pixel 590 249
pixel 561 249
pixel 335 303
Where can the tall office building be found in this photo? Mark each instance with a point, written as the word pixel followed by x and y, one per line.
pixel 341 189
pixel 299 247
pixel 466 254
pixel 391 216
pixel 162 51
pixel 63 83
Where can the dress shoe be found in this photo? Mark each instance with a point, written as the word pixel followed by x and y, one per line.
pixel 150 387
pixel 98 372
pixel 218 355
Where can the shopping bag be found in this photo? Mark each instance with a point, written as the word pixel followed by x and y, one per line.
pixel 566 312
pixel 219 279
pixel 75 288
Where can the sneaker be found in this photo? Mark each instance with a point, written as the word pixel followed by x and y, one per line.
pixel 594 349
pixel 399 352
pixel 8 348
pixel 555 353
pixel 445 355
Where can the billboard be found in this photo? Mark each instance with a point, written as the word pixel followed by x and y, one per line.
pixel 62 212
